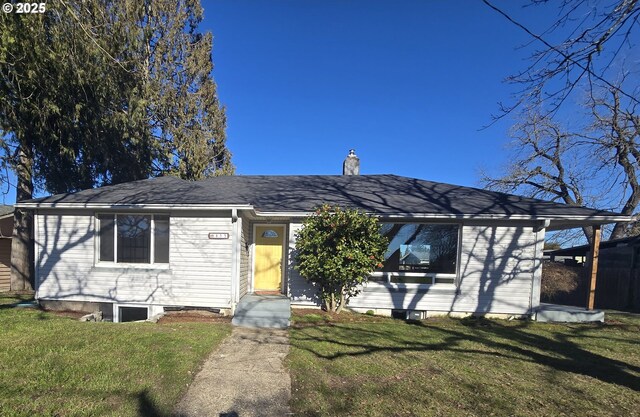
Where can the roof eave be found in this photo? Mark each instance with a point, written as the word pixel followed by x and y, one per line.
pixel 597 219
pixel 116 206
pixel 558 221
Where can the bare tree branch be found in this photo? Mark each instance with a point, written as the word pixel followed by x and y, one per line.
pixel 558 69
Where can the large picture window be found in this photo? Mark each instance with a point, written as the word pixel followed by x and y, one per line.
pixel 133 238
pixel 419 253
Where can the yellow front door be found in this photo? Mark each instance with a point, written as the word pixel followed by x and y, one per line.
pixel 268 258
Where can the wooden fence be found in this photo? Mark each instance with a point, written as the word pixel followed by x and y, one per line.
pixel 617 285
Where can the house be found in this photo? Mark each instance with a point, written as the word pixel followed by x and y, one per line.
pixel 134 249
pixel 6 232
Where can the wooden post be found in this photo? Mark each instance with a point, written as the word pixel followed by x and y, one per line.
pixel 593 273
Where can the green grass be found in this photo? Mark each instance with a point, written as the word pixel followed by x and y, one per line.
pixel 55 366
pixel 358 365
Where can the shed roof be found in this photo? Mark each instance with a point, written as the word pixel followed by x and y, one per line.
pixel 386 195
pixel 583 250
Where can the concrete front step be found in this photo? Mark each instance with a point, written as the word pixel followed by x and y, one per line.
pixel 261 322
pixel 263 311
pixel 281 307
pixel 556 313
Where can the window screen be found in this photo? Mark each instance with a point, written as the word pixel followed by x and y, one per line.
pixel 106 237
pixel 161 237
pixel 134 238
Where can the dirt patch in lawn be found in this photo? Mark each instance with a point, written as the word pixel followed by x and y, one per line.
pixel 67 313
pixel 305 317
pixel 193 316
pixel 71 314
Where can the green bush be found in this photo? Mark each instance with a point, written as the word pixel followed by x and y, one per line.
pixel 337 249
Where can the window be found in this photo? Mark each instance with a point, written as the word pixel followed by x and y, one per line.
pixel 134 239
pixel 107 227
pixel 419 253
pixel 127 314
pixel 270 233
pixel 161 238
pixel 131 238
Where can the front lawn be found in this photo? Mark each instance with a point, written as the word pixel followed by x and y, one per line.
pixel 56 366
pixel 357 365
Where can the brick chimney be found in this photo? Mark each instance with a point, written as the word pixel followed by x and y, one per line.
pixel 351 165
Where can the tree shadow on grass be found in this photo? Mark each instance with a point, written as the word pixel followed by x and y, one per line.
pixel 16 298
pixel 147 406
pixel 557 351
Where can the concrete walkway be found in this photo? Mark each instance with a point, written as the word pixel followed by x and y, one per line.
pixel 244 377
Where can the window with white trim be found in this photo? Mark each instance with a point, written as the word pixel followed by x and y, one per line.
pixel 419 253
pixel 127 314
pixel 133 238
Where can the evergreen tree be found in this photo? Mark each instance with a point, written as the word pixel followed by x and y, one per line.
pixel 100 92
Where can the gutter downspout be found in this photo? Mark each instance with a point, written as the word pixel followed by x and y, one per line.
pixel 36 253
pixel 235 258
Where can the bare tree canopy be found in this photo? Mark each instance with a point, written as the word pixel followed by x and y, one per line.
pixel 584 47
pixel 589 155
pixel 596 166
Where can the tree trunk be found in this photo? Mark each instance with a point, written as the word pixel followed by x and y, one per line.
pixel 627 158
pixel 621 229
pixel 588 233
pixel 341 306
pixel 22 242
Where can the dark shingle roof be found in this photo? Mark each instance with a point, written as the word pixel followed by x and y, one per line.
pixel 161 190
pixel 381 194
pixel 6 210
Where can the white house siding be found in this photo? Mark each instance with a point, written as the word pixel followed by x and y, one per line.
pixel 496 269
pixel 5 264
pixel 6 231
pixel 65 256
pixel 495 276
pixel 199 273
pixel 245 261
pixel 298 289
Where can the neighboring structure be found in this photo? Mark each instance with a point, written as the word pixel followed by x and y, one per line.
pixel 135 248
pixel 618 275
pixel 577 255
pixel 6 232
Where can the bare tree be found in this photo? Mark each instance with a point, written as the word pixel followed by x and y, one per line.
pixel 594 38
pixel 598 166
pixel 615 139
pixel 583 51
pixel 545 164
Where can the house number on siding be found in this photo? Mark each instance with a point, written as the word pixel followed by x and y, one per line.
pixel 218 235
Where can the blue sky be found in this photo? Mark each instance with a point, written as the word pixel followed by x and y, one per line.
pixel 407 84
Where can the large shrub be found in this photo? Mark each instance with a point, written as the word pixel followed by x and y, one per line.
pixel 337 249
pixel 558 280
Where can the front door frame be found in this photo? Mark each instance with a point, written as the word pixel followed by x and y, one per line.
pixel 284 255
